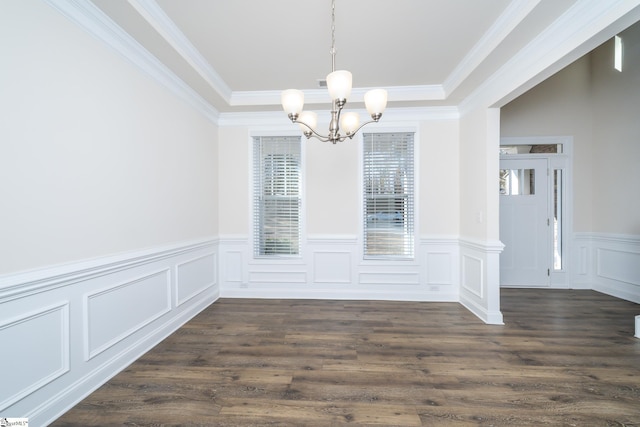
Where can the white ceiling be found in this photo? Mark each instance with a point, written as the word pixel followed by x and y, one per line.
pixel 239 54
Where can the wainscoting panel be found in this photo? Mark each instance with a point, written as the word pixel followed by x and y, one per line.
pixel 439 270
pixel 194 276
pixel 234 266
pixel 114 314
pixel 390 278
pixel 332 267
pixel 283 276
pixel 472 275
pixel 581 263
pixel 619 266
pixel 608 263
pixel 480 278
pixel 109 311
pixel 29 364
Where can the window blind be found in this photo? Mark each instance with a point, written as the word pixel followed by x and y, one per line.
pixel 276 195
pixel 388 189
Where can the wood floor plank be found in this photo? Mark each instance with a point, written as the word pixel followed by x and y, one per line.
pixel 562 358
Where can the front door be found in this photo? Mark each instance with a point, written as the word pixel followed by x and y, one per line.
pixel 524 223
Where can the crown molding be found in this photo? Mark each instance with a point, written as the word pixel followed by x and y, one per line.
pixel 391 115
pixel 584 26
pixel 321 96
pixel 501 28
pixel 91 19
pixel 158 19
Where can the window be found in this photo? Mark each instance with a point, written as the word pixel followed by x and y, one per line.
pixel 388 195
pixel 276 196
pixel 517 182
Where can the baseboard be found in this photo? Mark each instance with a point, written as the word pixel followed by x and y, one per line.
pixel 401 294
pixel 493 317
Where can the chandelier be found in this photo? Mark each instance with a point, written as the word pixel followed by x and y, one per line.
pixel 339 86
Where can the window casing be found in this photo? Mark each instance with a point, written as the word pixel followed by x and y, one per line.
pixel 388 195
pixel 276 195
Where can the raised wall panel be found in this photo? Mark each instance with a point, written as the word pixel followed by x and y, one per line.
pixel 276 277
pixel 472 275
pixel 233 266
pixel 113 314
pixel 583 266
pixel 618 265
pixel 390 278
pixel 578 264
pixel 332 267
pixel 439 268
pixel 35 351
pixel 194 276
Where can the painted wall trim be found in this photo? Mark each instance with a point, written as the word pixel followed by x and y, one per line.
pixel 501 28
pixel 91 19
pixel 585 25
pixel 38 280
pixel 67 359
pixel 278 118
pixel 480 278
pixel 331 267
pixel 158 19
pixel 607 263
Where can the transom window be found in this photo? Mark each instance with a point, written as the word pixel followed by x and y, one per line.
pixel 388 189
pixel 276 196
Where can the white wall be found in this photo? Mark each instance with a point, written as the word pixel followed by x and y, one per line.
pixel 439 185
pixel 333 182
pixel 234 175
pixel 96 158
pixel 331 263
pixel 479 226
pixel 108 211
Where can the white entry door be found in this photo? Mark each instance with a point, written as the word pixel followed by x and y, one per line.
pixel 524 223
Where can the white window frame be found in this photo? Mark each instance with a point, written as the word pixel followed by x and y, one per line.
pixel 254 250
pixel 391 259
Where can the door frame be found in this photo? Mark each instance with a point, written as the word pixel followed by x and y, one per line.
pixel 558 279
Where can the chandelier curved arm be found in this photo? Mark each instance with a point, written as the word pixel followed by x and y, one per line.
pixel 375 119
pixel 311 132
pixel 337 138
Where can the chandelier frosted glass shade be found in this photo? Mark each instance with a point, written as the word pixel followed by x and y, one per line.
pixel 339 84
pixel 376 101
pixel 308 121
pixel 292 101
pixel 349 122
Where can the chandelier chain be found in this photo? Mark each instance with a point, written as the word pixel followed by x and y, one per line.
pixel 333 35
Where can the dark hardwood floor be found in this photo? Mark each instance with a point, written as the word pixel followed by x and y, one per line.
pixel 563 358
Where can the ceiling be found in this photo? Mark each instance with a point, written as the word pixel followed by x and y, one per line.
pixel 238 55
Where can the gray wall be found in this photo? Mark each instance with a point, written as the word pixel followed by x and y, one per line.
pixel 598 106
